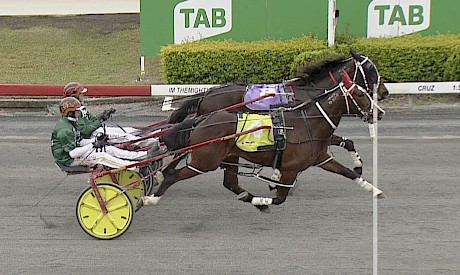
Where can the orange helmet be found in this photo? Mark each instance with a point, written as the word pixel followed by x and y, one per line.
pixel 69 104
pixel 74 89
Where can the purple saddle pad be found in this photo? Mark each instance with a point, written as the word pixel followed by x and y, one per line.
pixel 258 90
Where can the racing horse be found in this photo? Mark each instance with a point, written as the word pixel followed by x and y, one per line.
pixel 314 79
pixel 311 125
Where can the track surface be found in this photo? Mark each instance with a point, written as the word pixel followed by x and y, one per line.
pixel 199 227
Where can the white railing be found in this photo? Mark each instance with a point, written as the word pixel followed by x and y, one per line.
pixel 408 88
pixel 424 88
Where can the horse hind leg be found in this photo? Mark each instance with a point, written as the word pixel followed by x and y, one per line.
pixel 335 167
pixel 170 177
pixel 350 147
pixel 231 183
pixel 262 203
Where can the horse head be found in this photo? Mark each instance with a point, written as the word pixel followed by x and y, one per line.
pixel 358 100
pixel 367 75
pixel 325 73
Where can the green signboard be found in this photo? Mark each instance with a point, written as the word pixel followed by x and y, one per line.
pixel 176 21
pixel 388 18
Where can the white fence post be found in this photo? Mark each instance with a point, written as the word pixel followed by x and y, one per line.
pixel 331 23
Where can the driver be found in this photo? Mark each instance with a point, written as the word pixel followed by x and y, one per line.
pixel 67 148
pixel 90 125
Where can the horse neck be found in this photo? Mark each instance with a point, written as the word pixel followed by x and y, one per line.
pixel 331 108
pixel 306 93
pixel 308 89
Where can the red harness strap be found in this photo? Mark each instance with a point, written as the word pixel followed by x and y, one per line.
pixel 332 77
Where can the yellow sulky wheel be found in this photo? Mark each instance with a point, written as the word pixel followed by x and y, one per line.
pixel 124 178
pixel 111 224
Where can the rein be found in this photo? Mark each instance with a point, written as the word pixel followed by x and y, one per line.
pixel 347 88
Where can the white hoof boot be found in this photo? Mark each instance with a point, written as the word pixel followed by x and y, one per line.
pixel 364 184
pixel 159 177
pixel 377 193
pixel 150 200
pixel 261 201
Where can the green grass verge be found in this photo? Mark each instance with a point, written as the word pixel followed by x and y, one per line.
pixel 92 49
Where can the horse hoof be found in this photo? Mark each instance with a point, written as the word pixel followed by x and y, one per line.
pixel 264 208
pixel 242 196
pixel 380 196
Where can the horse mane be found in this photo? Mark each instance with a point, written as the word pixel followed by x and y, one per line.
pixel 190 105
pixel 312 71
pixel 179 136
pixel 187 107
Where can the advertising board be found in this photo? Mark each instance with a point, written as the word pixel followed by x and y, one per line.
pixel 177 21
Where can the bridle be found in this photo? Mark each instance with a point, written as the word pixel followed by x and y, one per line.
pixel 359 67
pixel 347 87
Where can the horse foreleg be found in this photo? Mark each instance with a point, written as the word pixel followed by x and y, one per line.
pixel 335 167
pixel 350 147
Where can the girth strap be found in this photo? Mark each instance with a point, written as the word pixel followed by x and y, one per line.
pixel 279 134
pixel 194 169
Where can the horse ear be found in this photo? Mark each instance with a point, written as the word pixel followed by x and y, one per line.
pixel 354 54
pixel 346 79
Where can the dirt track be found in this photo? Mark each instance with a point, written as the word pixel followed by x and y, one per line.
pixel 199 227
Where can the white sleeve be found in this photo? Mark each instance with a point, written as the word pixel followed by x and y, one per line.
pixel 80 151
pixel 86 141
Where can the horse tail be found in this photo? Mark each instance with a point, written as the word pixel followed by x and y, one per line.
pixel 179 136
pixel 188 107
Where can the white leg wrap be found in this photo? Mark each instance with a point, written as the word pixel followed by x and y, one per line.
pixel 356 159
pixel 150 200
pixel 368 186
pixel 261 201
pixel 276 175
pixel 159 177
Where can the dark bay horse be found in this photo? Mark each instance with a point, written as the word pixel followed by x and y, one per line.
pixel 311 124
pixel 311 83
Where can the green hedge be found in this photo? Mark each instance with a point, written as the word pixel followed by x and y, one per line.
pixel 401 59
pixel 410 58
pixel 233 62
pixel 452 66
